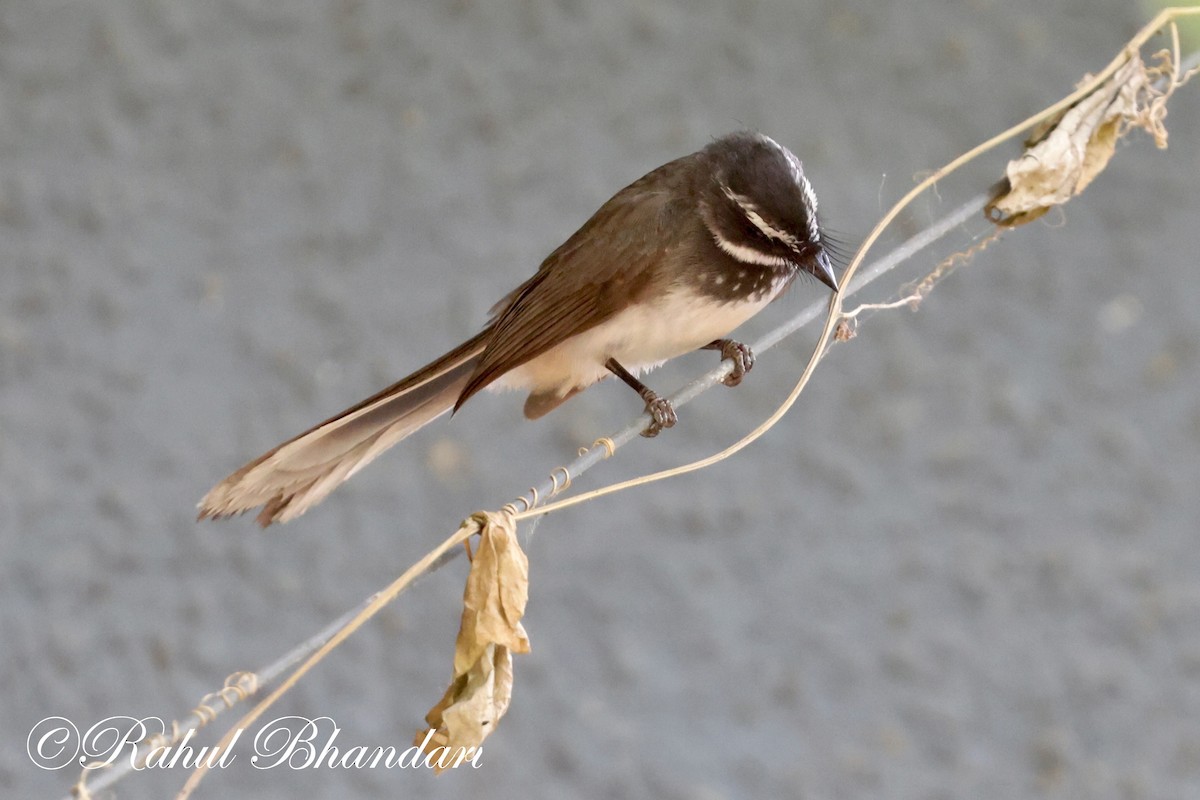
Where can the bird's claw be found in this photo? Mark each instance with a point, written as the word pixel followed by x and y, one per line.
pixel 662 413
pixel 742 357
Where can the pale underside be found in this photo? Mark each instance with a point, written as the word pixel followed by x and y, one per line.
pixel 640 338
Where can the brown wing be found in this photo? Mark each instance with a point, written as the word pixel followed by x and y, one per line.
pixel 605 265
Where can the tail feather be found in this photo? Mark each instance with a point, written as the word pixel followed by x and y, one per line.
pixel 296 475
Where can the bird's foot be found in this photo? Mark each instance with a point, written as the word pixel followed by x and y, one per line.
pixel 740 354
pixel 662 414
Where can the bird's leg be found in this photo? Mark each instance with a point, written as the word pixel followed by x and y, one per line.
pixel 660 408
pixel 740 354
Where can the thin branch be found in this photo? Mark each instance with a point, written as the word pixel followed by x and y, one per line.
pixel 466 530
pixel 238 687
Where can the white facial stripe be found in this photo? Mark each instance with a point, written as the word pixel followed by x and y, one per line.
pixel 800 180
pixel 751 212
pixel 748 255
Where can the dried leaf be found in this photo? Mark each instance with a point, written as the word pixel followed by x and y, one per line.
pixel 1065 159
pixel 493 604
pixel 495 596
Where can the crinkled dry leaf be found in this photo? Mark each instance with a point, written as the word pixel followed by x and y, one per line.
pixel 494 599
pixel 1067 158
pixel 472 705
pixel 493 604
pixel 1069 151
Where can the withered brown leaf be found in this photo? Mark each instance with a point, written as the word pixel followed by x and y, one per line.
pixel 491 631
pixel 1078 146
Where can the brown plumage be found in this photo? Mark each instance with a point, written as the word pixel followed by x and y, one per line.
pixel 671 262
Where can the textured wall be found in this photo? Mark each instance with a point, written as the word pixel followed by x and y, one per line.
pixel 965 566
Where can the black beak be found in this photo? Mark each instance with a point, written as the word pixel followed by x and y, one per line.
pixel 823 271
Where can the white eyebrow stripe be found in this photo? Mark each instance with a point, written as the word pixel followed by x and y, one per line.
pixel 751 212
pixel 748 255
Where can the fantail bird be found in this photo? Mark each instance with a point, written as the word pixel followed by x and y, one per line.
pixel 671 263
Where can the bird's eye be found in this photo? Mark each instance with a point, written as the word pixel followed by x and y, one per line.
pixel 751 232
pixel 758 234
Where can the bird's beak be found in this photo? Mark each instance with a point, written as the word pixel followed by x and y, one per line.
pixel 824 271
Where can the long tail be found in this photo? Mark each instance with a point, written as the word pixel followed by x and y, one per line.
pixel 298 474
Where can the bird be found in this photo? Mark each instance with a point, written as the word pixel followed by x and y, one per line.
pixel 672 263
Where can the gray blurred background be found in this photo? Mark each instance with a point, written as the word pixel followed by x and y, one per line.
pixel 963 567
